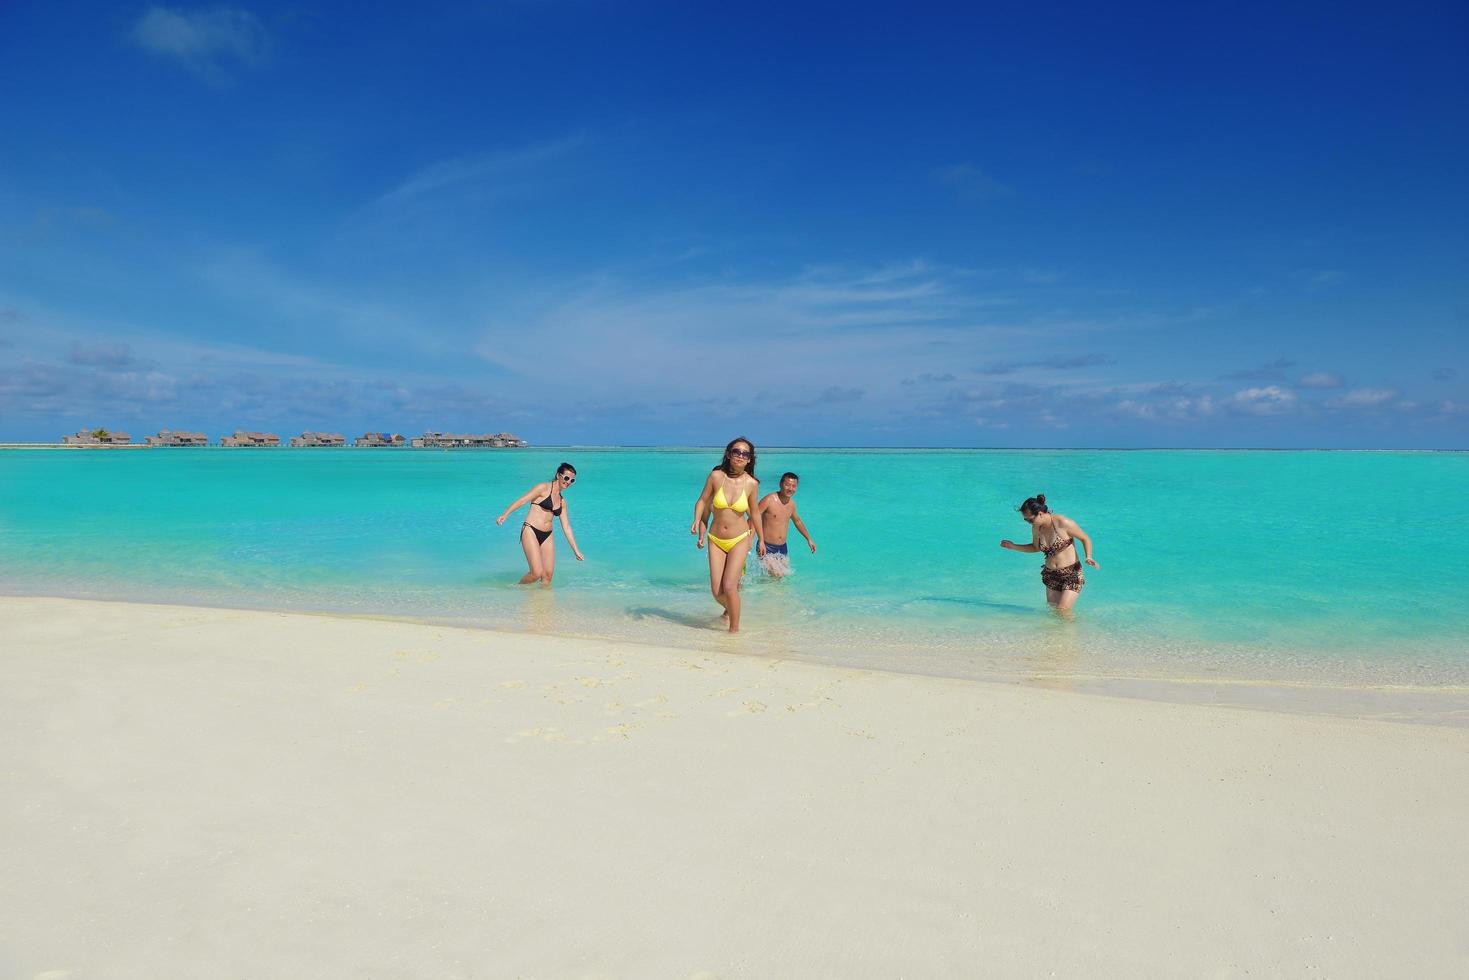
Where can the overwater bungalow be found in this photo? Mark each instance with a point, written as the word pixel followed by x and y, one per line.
pixel 318 439
pixel 174 437
pixel 259 439
pixel 455 440
pixel 97 437
pixel 377 440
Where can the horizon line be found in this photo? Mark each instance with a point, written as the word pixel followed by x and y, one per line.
pixel 20 444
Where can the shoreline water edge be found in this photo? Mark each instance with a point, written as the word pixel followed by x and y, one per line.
pixel 1215 583
pixel 1052 667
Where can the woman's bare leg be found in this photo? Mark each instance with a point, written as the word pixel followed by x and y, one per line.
pixel 733 567
pixel 1061 602
pixel 717 559
pixel 532 555
pixel 548 559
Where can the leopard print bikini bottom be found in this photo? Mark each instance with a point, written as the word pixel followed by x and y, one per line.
pixel 1063 579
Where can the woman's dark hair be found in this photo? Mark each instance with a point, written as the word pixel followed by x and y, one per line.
pixel 1033 505
pixel 724 463
pixel 564 467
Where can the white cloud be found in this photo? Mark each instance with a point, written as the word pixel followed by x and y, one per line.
pixel 1364 398
pixel 207 42
pixel 1273 371
pixel 1167 401
pixel 1319 279
pixel 1269 400
pixel 1056 362
pixel 105 354
pixel 274 295
pixel 1322 379
pixel 820 329
pixel 71 375
pixel 49 218
pixel 492 168
pixel 971 183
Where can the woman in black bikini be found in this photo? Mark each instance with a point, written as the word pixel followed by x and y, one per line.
pixel 535 533
pixel 1055 537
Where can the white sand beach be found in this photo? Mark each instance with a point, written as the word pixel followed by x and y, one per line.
pixel 201 793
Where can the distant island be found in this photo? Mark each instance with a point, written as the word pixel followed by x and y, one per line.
pixel 101 438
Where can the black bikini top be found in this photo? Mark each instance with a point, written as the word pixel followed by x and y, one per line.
pixel 546 505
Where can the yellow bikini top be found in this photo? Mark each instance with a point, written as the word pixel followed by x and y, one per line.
pixel 740 506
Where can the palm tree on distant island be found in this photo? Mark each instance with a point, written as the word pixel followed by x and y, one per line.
pixel 100 433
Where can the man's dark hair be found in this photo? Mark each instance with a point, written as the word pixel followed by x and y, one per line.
pixel 788 473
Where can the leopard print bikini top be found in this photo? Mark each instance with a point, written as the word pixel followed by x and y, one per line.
pixel 1055 547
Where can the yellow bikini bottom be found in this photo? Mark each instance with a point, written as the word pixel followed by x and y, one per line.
pixel 727 543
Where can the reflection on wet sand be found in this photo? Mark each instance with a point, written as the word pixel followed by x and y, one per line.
pixel 1056 658
pixel 540 610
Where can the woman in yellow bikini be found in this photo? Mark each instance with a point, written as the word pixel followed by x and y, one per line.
pixel 731 504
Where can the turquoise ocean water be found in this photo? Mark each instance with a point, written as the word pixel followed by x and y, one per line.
pixel 1310 568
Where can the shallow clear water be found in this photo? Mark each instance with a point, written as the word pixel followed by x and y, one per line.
pixel 1312 567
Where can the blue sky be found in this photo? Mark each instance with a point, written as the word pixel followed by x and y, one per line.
pixel 669 223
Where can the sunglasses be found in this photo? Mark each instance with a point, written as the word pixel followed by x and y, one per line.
pixel 569 479
pixel 741 453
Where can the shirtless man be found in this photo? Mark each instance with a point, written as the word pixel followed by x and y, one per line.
pixel 778 510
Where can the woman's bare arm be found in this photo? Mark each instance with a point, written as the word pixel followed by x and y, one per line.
pixel 701 508
pixel 1026 548
pixel 566 526
pixel 529 495
pixel 1077 534
pixel 754 517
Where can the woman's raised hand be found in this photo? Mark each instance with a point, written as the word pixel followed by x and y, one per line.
pixel 1007 543
pixel 500 519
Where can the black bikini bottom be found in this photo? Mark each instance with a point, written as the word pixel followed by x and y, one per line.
pixel 541 536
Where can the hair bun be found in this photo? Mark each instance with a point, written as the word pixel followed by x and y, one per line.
pixel 1040 498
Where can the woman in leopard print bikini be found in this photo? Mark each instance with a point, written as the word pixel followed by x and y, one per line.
pixel 1055 536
